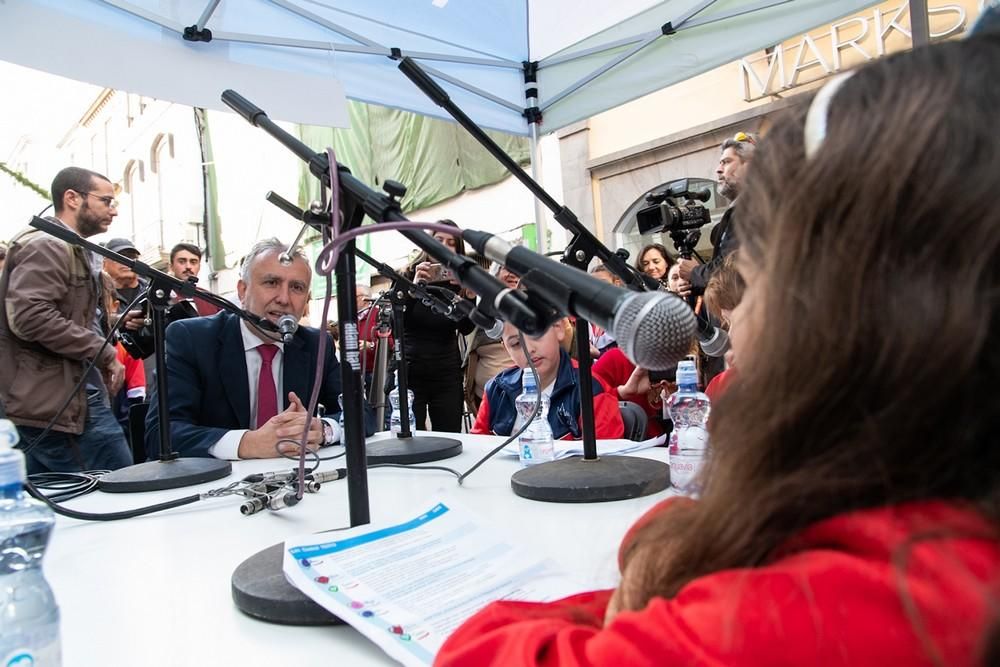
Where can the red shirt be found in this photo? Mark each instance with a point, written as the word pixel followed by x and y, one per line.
pixel 719 383
pixel 135 373
pixel 836 594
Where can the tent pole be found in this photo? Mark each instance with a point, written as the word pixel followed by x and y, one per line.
pixel 541 224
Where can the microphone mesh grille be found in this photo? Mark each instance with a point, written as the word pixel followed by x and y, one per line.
pixel 654 329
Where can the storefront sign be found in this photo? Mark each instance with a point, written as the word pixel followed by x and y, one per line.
pixel 812 58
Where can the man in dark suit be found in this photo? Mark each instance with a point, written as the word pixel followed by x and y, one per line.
pixel 234 390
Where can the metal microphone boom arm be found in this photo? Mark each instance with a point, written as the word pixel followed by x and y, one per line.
pixel 513 306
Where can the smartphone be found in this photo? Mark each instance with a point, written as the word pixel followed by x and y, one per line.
pixel 436 273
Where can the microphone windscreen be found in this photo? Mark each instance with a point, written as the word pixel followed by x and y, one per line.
pixel 654 329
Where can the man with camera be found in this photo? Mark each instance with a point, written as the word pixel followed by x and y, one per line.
pixel 49 332
pixel 737 153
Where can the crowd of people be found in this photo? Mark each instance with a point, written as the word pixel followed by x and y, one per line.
pixel 849 507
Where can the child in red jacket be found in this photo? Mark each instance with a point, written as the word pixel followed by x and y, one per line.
pixel 558 379
pixel 850 505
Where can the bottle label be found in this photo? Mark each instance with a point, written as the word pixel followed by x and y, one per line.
pixel 44 656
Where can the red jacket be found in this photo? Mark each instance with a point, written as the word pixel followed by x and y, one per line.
pixel 836 594
pixel 614 369
pixel 564 410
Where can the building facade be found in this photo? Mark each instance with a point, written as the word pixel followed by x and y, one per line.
pixel 611 161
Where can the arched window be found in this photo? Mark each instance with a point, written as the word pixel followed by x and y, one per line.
pixel 160 156
pixel 132 179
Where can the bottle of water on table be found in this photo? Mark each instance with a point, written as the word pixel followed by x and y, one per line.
pixel 29 616
pixel 535 442
pixel 688 409
pixel 395 425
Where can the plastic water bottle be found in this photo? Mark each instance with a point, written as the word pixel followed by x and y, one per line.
pixel 535 443
pixel 395 425
pixel 29 616
pixel 688 444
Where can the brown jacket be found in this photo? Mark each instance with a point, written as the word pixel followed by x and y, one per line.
pixel 50 295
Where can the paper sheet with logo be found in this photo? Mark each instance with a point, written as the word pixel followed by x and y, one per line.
pixel 407 584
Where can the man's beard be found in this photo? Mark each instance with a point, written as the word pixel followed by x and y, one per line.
pixel 88 223
pixel 729 190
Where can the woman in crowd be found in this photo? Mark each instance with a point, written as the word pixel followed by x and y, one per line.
pixel 434 364
pixel 850 512
pixel 654 261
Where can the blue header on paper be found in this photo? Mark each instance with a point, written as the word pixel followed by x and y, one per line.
pixel 349 543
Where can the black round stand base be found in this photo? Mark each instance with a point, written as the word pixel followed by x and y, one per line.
pixel 416 449
pixel 159 475
pixel 577 480
pixel 260 590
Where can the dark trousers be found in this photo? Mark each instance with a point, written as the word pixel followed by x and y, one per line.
pixel 439 392
pixel 101 446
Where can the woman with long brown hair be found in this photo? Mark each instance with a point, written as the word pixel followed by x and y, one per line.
pixel 851 502
pixel 654 261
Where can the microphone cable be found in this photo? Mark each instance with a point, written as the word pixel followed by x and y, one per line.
pixel 493 452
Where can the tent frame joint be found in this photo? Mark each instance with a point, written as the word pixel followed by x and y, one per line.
pixel 530 69
pixel 668 28
pixel 193 33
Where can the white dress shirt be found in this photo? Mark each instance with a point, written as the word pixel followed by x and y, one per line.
pixel 229 444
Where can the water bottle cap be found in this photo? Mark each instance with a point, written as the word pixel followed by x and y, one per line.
pixel 687 373
pixel 528 379
pixel 11 461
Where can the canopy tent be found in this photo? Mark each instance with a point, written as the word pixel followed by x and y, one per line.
pixel 511 65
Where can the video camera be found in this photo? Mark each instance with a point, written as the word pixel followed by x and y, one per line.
pixel 674 209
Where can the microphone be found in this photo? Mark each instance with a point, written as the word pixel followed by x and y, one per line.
pixel 653 329
pixel 287 326
pixel 491 325
pixel 713 340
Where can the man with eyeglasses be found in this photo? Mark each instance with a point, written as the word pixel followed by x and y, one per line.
pixel 49 332
pixel 737 153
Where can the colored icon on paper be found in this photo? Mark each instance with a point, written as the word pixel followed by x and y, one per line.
pixel 305 562
pixel 357 605
pixel 367 613
pixel 396 629
pixel 333 589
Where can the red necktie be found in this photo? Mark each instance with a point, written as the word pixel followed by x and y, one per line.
pixel 267 395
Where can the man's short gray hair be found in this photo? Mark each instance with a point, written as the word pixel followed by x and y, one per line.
pixel 263 247
pixel 744 149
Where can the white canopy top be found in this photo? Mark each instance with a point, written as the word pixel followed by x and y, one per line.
pixel 297 59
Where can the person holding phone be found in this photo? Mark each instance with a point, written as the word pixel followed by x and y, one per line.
pixel 434 365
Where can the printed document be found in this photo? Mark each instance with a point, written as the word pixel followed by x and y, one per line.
pixel 406 585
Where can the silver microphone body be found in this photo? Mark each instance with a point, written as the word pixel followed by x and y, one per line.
pixel 287 326
pixel 653 329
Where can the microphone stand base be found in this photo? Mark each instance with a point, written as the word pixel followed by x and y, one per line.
pixel 261 591
pixel 159 475
pixel 415 449
pixel 579 480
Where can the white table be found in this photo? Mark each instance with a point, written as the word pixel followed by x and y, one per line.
pixel 155 590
